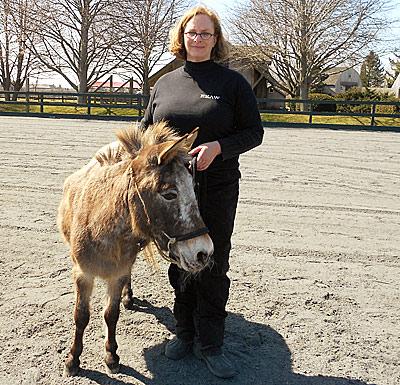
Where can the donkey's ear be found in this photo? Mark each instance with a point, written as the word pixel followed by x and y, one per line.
pixel 170 149
pixel 191 138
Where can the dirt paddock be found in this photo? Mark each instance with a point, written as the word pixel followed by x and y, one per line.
pixel 315 265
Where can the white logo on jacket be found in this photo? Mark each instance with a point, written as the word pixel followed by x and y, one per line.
pixel 213 97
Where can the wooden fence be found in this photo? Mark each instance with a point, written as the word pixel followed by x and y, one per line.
pixel 370 115
pixel 99 105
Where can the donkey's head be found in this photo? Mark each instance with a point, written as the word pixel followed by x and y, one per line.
pixel 162 198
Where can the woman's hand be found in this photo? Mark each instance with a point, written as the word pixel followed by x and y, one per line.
pixel 206 153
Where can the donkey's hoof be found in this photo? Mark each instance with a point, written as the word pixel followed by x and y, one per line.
pixel 70 370
pixel 71 367
pixel 128 303
pixel 113 368
pixel 112 362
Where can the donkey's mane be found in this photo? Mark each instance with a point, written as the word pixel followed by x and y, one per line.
pixel 133 139
pixel 110 155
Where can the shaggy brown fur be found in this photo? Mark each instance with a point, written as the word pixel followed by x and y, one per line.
pixel 112 207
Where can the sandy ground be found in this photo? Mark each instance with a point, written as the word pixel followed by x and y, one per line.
pixel 315 265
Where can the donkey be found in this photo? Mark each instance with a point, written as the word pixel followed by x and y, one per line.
pixel 135 191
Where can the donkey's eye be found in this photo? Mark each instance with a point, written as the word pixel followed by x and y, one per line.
pixel 169 195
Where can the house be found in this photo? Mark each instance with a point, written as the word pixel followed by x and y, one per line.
pixel 49 88
pixel 261 86
pixel 171 66
pixel 396 87
pixel 340 79
pixel 110 85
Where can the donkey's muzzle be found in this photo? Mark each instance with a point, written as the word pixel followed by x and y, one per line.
pixel 194 253
pixel 203 257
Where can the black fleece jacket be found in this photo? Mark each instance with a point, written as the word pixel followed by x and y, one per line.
pixel 218 100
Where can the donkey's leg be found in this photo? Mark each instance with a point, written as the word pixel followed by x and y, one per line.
pixel 84 287
pixel 127 294
pixel 111 315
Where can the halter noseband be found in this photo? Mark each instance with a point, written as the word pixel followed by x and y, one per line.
pixel 171 239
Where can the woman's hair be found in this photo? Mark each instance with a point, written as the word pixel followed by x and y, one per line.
pixel 176 43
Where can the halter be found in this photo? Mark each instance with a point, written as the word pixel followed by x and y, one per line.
pixel 171 239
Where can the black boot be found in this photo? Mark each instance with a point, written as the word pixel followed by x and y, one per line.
pixel 217 363
pixel 176 348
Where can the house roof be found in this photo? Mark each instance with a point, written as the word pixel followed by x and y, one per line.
pixel 172 65
pixel 108 84
pixel 334 75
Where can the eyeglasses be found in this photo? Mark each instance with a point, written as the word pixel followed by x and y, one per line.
pixel 204 35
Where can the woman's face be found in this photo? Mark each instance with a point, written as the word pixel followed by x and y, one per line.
pixel 199 49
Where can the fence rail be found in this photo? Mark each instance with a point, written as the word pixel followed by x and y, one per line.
pixel 378 115
pixel 99 105
pixel 369 114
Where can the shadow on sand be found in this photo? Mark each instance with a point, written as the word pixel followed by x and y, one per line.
pixel 259 352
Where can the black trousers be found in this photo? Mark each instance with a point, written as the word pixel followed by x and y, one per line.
pixel 200 301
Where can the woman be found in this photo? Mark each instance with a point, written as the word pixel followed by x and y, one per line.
pixel 220 101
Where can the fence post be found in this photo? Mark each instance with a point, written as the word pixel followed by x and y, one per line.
pixel 311 113
pixel 373 109
pixel 27 102
pixel 89 101
pixel 140 103
pixel 41 103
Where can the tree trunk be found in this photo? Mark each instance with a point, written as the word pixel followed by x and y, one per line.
pixel 6 87
pixel 83 52
pixel 145 83
pixel 304 63
pixel 304 95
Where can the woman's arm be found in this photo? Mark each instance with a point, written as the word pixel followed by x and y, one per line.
pixel 249 131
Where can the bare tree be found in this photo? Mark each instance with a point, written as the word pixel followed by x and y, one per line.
pixel 146 24
pixel 76 39
pixel 296 41
pixel 16 62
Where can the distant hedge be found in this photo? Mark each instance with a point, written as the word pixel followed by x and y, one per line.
pixel 365 95
pixel 326 107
